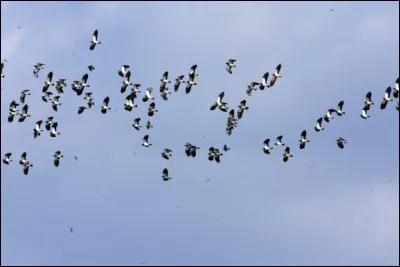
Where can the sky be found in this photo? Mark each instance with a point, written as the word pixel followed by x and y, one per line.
pixel 324 206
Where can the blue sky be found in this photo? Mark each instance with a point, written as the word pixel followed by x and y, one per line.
pixel 255 209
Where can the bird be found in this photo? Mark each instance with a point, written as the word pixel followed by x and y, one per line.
pixel 165 175
pixel 53 130
pixel 242 107
pixel 146 141
pixel 71 230
pixel 396 89
pixel 279 141
pixel 303 139
pixel 193 150
pixel 221 105
pixel 84 83
pixel 94 41
pixel 105 106
pixel 37 130
pixel 230 64
pixel 164 80
pixel 126 82
pixel 226 148
pixel 91 68
pixel 88 96
pixel 37 68
pixel 266 147
pixel 286 154
pixel 47 96
pixel 264 81
pixel 135 89
pixel 24 93
pixel 152 109
pixel 192 72
pixel 364 114
pixel 26 166
pixel 149 125
pixel 368 100
pixel 187 149
pixel 7 160
pixel 328 114
pixel 340 142
pixel 23 160
pixel 24 113
pixel 129 103
pixel 81 109
pixel 76 158
pixel 178 81
pixel 55 102
pixel 217 155
pixel 148 95
pixel 339 111
pixel 136 124
pixel 190 83
pixel 57 156
pixel 251 87
pixel 90 103
pixel 48 83
pixel 318 127
pixel 167 153
pixel 275 75
pixel 123 71
pixel 211 154
pixel 386 97
pixel 165 93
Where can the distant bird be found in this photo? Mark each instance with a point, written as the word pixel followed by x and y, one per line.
pixel 129 103
pixel 328 114
pixel 126 82
pixel 76 158
pixel 123 71
pixel 48 82
pixel 368 100
pixel 339 111
pixel 192 72
pixel 55 103
pixel 94 40
pixel 7 160
pixel 364 114
pixel 57 156
pixel 48 123
pixel 47 96
pixel 223 106
pixel 178 81
pixel 164 80
pixel 148 125
pixel 396 89
pixel 189 84
pixel 37 68
pixel 318 127
pixel 331 9
pixel 91 68
pixel 71 230
pixel 242 107
pixel 386 97
pixel 136 124
pixel 37 130
pixel 340 142
pixel 187 149
pixel 24 93
pixel 26 167
pixel 193 150
pixel 23 160
pixel 166 154
pixel 211 154
pixel 84 83
pixel 24 113
pixel 230 65
pixel 286 154
pixel 135 89
pixel 88 97
pixel 226 148
pixel 165 175
pixel 251 87
pixel 217 155
pixel 81 109
pixel 146 141
pixel 148 95
pixel 105 106
pixel 264 81
pixel 152 109
pixel 303 139
pixel 279 141
pixel 275 75
pixel 266 147
pixel 53 130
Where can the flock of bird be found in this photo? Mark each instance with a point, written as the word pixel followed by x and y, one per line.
pixel 213 153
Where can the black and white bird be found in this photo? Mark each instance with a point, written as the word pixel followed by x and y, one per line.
pixel 165 93
pixel 318 126
pixel 7 160
pixel 396 89
pixel 340 142
pixel 264 81
pixel 192 72
pixel 24 113
pixel 81 109
pixel 135 89
pixel 57 156
pixel 364 113
pixel 223 106
pixel 23 160
pixel 126 82
pixel 129 103
pixel 152 109
pixel 149 125
pixel 123 71
pixel 53 130
pixel 47 96
pixel 368 100
pixel 230 64
pixel 303 139
pixel 267 148
pixel 275 75
pixel 328 116
pixel 55 103
pixel 24 93
pixel 226 148
pixel 13 111
pixel 339 111
pixel 88 97
pixel 165 175
pixel 164 80
pixel 189 84
pixel 251 87
pixel 105 106
pixel 146 141
pixel 217 155
pixel 48 123
pixel 91 68
pixel 279 141
pixel 242 107
pixel 148 94
pixel 26 166
pixel 286 154
pixel 187 149
pixel 37 130
pixel 136 124
pixel 167 153
pixel 84 82
pixel 95 40
pixel 37 68
pixel 211 154
pixel 193 150
pixel 48 82
pixel 178 81
pixel 386 97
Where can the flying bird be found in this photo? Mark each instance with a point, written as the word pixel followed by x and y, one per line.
pixel 386 97
pixel 37 130
pixel 279 141
pixel 48 82
pixel 165 175
pixel 148 95
pixel 396 89
pixel 368 100
pixel 266 147
pixel 7 160
pixel 242 107
pixel 166 154
pixel 49 121
pixel 24 93
pixel 94 40
pixel 226 148
pixel 55 103
pixel 339 111
pixel 91 68
pixel 24 113
pixel 264 81
pixel 57 156
pixel 230 65
pixel 152 109
pixel 364 114
pixel 178 81
pixel 340 142
pixel 53 130
pixel 105 106
pixel 318 126
pixel 223 106
pixel 81 109
pixel 328 114
pixel 123 71
pixel 148 125
pixel 303 139
pixel 275 75
pixel 286 154
pixel 146 141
